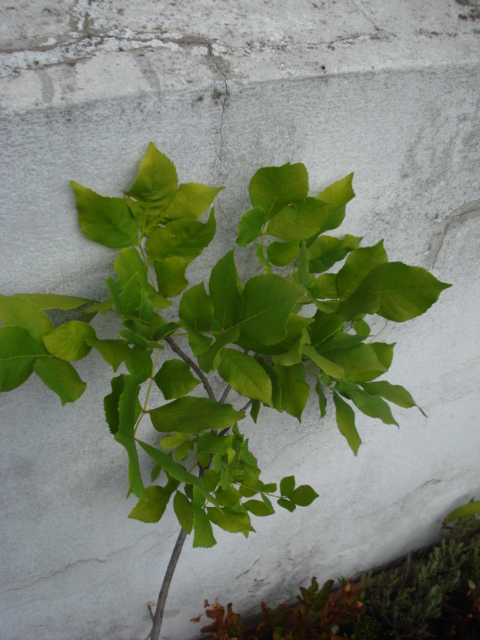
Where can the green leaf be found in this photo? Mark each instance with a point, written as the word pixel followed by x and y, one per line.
pixel 176 470
pixel 392 392
pixel 469 509
pixel 298 221
pixel 183 238
pixel 208 359
pixel 338 195
pixel 134 475
pixel 203 534
pixel 245 375
pixel 346 422
pixel 198 342
pixel 128 412
pixel 286 504
pixel 139 363
pixel 295 390
pixel 191 200
pixel 129 265
pixel 370 405
pixel 172 442
pixel 330 368
pixel 114 294
pixel 250 225
pixel 128 406
pixel 156 184
pixel 325 286
pixel 324 326
pixel 255 410
pixel 287 485
pixel 230 521
pixel 60 377
pixel 214 443
pixel 360 358
pixel 228 497
pixel 325 251
pixel 152 508
pixel 193 415
pixel 110 403
pixel 53 301
pixel 384 354
pixel 282 253
pixel 303 496
pixel 171 279
pixel 107 221
pixel 322 400
pixel 259 254
pixel 269 300
pixel 18 352
pixel 258 508
pixel 131 296
pixel 184 511
pixel 155 472
pixel 357 266
pixel 175 380
pixel 20 312
pixel 273 188
pixel 224 292
pixel 196 308
pixel 69 340
pixel 404 292
pixel 114 352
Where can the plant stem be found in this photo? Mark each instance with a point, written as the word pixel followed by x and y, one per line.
pixel 162 596
pixel 225 394
pixel 174 347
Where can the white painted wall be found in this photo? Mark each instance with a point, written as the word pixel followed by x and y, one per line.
pixel 387 89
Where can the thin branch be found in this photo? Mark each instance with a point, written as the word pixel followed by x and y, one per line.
pixel 225 393
pixel 244 408
pixel 162 596
pixel 191 363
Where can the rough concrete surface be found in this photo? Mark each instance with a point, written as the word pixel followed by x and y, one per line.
pixel 389 90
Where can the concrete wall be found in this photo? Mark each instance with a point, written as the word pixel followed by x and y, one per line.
pixel 389 90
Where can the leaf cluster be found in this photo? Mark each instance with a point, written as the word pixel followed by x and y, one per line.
pixel 292 328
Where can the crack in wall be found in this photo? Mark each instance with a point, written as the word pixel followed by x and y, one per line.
pixel 287 446
pixel 455 219
pixel 220 66
pixel 52 575
pixel 28 583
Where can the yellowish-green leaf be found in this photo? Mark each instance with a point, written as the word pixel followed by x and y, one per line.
pixel 60 377
pixel 171 276
pixel 183 238
pixel 273 188
pixel 112 351
pixel 298 221
pixel 17 311
pixel 152 508
pixel 54 301
pixel 69 340
pixel 107 221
